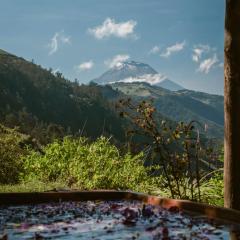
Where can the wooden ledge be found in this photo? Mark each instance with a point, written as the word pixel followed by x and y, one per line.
pixel 206 210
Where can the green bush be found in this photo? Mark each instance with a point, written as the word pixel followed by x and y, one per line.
pixel 87 165
pixel 213 189
pixel 11 150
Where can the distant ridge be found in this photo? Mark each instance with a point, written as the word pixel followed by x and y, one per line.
pixel 170 85
pixel 2 52
pixel 183 105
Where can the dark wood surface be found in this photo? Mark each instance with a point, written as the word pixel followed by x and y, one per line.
pixel 232 105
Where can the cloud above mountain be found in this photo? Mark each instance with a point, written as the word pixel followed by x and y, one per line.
pixel 85 66
pixel 206 58
pixel 207 64
pixel 59 38
pixel 110 28
pixel 173 49
pixel 199 51
pixel 117 60
pixel 148 78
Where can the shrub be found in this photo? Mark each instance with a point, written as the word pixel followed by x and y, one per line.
pixel 212 185
pixel 213 189
pixel 177 151
pixel 11 150
pixel 97 165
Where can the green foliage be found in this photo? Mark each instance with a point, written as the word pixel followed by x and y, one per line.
pixel 87 165
pixel 213 188
pixel 11 150
pixel 78 163
pixel 33 186
pixel 213 185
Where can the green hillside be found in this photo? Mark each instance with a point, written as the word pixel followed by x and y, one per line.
pixel 44 104
pixel 183 105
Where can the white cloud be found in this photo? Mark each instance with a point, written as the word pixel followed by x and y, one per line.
pixel 173 49
pixel 85 66
pixel 111 28
pixel 149 78
pixel 207 64
pixel 206 57
pixel 56 40
pixel 154 50
pixel 198 51
pixel 117 60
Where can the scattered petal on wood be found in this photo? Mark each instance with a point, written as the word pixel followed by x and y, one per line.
pixel 107 220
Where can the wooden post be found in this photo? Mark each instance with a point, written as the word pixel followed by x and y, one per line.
pixel 232 105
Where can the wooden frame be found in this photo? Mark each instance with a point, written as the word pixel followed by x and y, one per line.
pixel 212 212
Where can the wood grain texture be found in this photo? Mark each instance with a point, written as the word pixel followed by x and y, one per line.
pixel 232 105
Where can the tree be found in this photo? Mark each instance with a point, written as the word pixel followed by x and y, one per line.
pixel 232 105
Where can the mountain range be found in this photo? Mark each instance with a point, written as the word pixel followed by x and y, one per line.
pixel 38 101
pixel 141 81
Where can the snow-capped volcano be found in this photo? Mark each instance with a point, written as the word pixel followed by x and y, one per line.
pixel 131 71
pixel 124 70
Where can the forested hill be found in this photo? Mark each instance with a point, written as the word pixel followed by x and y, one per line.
pixel 47 105
pixel 183 105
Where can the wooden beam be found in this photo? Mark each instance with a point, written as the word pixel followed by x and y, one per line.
pixel 232 105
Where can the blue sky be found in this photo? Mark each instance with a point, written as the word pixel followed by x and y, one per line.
pixel 181 39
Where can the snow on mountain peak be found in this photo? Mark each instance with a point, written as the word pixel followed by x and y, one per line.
pixel 127 71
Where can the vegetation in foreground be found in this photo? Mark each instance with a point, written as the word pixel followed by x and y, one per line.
pixel 77 163
pixel 33 186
